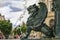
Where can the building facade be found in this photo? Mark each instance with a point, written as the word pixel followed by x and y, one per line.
pixel 51 14
pixel 2 17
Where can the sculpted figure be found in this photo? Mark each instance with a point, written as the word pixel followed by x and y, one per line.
pixel 36 19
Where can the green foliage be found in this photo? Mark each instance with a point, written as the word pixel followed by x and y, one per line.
pixel 14 31
pixel 23 28
pixel 5 27
pixel 17 30
pixel 20 29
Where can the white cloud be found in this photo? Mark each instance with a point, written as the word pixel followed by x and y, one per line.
pixel 14 16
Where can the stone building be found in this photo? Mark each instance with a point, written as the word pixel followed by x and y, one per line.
pixel 2 17
pixel 50 14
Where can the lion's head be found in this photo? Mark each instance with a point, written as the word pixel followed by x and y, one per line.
pixel 32 8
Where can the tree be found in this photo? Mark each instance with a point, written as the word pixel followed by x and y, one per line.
pixel 23 28
pixel 17 30
pixel 20 29
pixel 5 27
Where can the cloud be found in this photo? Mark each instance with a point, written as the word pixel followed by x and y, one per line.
pixel 15 9
pixel 11 2
pixel 13 16
pixel 12 10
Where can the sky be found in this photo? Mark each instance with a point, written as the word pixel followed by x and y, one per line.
pixel 15 10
